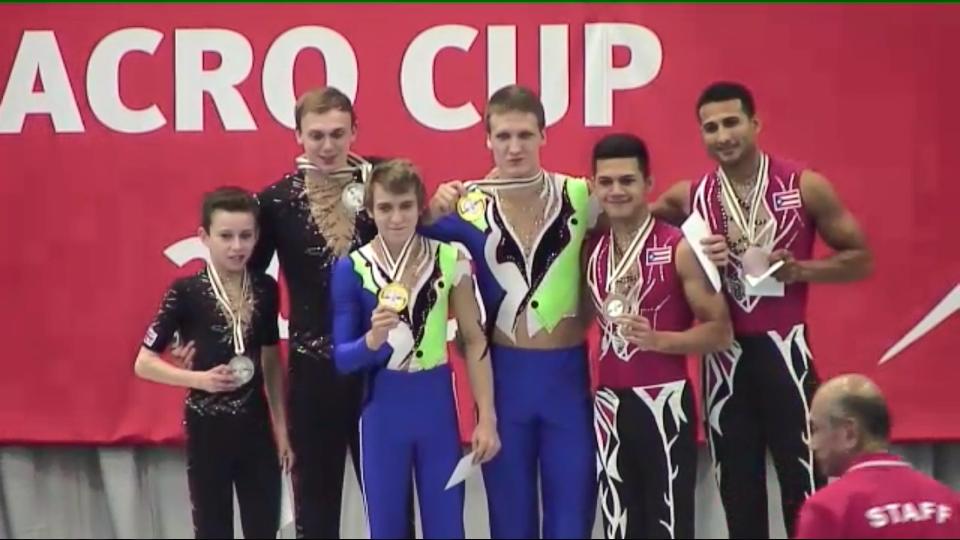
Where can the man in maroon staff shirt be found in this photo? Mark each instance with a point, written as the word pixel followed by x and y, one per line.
pixel 877 495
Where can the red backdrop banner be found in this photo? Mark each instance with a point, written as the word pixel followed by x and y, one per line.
pixel 115 119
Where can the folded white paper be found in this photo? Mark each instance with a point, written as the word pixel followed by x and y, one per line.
pixel 694 230
pixel 754 281
pixel 765 285
pixel 463 470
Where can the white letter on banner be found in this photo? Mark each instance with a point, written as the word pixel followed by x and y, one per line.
pixel 417 78
pixel 39 56
pixel 278 66
pixel 601 79
pixel 554 71
pixel 103 81
pixel 554 65
pixel 236 59
pixel 501 57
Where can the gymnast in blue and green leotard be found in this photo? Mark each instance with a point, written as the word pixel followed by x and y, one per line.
pixel 525 228
pixel 392 299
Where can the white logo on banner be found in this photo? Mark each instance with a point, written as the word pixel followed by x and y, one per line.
pixel 947 307
pixel 39 58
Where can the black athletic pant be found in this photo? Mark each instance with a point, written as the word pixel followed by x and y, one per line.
pixel 757 396
pixel 647 458
pixel 228 451
pixel 324 413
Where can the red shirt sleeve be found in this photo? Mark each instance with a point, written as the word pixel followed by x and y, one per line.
pixel 817 521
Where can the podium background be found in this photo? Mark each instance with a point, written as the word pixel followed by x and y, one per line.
pixel 102 201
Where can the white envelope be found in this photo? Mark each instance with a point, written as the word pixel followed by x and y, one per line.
pixel 694 230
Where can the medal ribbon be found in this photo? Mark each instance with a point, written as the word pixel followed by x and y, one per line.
pixel 505 183
pixel 354 162
pixel 395 267
pixel 235 317
pixel 615 271
pixel 733 203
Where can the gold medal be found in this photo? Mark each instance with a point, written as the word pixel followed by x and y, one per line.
pixel 394 296
pixel 471 206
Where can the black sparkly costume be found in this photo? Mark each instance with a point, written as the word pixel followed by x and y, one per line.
pixel 324 406
pixel 229 435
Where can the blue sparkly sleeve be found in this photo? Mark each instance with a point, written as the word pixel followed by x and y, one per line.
pixel 351 322
pixel 444 229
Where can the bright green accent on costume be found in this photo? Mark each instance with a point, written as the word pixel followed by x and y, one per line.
pixel 360 266
pixel 433 344
pixel 558 294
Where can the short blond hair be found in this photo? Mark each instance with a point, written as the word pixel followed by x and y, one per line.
pixel 515 98
pixel 321 100
pixel 396 176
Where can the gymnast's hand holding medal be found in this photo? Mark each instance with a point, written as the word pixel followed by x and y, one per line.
pixel 617 307
pixel 637 329
pixel 393 298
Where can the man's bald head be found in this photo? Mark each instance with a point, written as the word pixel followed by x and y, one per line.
pixel 849 416
pixel 857 397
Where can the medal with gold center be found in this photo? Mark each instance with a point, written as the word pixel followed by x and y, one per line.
pixel 395 295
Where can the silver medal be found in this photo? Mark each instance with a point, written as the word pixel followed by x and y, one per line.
pixel 352 196
pixel 615 306
pixel 243 368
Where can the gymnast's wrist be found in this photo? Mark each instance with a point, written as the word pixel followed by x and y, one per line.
pixel 372 342
pixel 486 415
